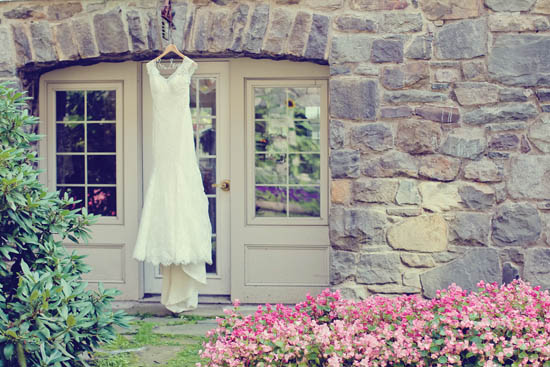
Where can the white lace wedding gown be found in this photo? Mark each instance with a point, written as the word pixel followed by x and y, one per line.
pixel 175 229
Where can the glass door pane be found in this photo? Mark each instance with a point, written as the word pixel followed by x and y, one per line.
pixel 203 109
pixel 287 156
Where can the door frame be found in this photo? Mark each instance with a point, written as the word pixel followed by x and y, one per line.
pixel 219 283
pixel 113 238
pixel 244 236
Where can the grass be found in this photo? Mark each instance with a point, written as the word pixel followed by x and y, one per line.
pixel 145 337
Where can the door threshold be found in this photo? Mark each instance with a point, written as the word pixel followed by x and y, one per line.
pixel 203 299
pixel 209 306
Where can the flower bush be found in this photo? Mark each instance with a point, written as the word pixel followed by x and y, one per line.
pixel 495 326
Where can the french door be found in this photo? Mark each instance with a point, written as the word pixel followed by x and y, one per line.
pixel 210 115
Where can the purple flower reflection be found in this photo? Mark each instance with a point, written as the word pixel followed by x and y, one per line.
pixel 304 194
pixel 270 201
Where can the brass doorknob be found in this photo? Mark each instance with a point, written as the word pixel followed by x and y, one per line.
pixel 225 185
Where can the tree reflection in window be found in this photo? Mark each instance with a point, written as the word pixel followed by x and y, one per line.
pixel 287 151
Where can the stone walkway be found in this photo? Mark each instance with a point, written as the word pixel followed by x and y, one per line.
pixel 158 338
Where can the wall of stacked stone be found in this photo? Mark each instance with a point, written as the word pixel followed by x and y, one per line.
pixel 439 124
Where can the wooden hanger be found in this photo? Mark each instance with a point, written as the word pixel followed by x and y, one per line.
pixel 170 48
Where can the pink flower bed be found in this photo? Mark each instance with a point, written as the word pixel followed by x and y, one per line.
pixel 496 326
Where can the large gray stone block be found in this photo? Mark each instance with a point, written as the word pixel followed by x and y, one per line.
pixel 516 224
pixel 502 112
pixel 342 265
pixel 355 99
pixel 522 60
pixel 344 163
pixel 42 42
pixel 420 48
pixel 529 177
pixel 139 41
pixel 466 272
pixel 465 39
pixel 510 5
pixel 7 54
pixel 470 229
pixel 391 164
pixel 350 48
pixel 318 37
pixel 377 137
pixel 378 268
pixel 351 229
pixel 110 33
pixel 464 145
pixel 537 267
pixel 257 29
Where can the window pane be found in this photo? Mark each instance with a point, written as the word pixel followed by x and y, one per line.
pixel 212 213
pixel 193 96
pixel 208 172
pixel 271 135
pixel 305 168
pixel 212 269
pixel 77 193
pixel 102 201
pixel 305 136
pixel 307 102
pixel 270 201
pixel 270 103
pixel 304 202
pixel 101 169
pixel 69 137
pixel 69 105
pixel 70 169
pixel 271 169
pixel 207 96
pixel 101 105
pixel 207 137
pixel 101 137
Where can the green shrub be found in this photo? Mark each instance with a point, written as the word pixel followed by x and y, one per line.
pixel 47 317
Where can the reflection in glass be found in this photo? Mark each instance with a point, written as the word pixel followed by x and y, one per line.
pixel 212 213
pixel 101 137
pixel 207 138
pixel 193 96
pixel 212 268
pixel 70 169
pixel 208 172
pixel 271 168
pixel 271 135
pixel 101 169
pixel 69 137
pixel 207 95
pixel 102 201
pixel 305 136
pixel 77 193
pixel 101 105
pixel 307 102
pixel 69 105
pixel 304 201
pixel 270 103
pixel 304 168
pixel 270 201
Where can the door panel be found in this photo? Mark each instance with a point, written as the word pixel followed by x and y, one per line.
pixel 209 110
pixel 89 117
pixel 279 212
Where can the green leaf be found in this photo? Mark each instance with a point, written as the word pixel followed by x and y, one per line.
pixel 71 321
pixel 442 359
pixel 8 350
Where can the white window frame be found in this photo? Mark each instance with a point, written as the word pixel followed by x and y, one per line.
pixel 250 84
pixel 52 88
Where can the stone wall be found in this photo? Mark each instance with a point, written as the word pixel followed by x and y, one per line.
pixel 439 132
